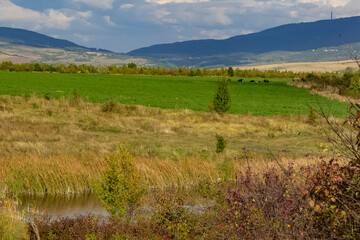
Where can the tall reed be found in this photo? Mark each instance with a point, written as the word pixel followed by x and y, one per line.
pixel 12 223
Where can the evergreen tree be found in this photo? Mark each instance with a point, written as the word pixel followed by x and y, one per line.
pixel 222 99
pixel 230 72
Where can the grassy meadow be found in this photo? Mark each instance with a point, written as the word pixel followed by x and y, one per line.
pixel 195 93
pixel 58 146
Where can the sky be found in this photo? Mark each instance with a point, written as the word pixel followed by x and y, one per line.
pixel 124 25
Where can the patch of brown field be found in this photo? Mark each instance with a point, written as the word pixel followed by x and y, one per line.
pixel 59 145
pixel 34 125
pixel 334 66
pixel 16 60
pixel 3 56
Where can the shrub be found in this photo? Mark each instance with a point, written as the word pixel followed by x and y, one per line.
pixel 354 88
pixel 76 99
pixel 222 99
pixel 110 106
pixel 335 198
pixel 120 188
pixel 266 206
pixel 102 69
pixel 220 144
pixel 173 216
pixel 132 65
pixel 311 118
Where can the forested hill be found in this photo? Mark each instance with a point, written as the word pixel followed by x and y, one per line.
pixel 34 39
pixel 289 37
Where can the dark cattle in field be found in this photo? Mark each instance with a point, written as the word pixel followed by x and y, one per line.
pixel 257 81
pixel 240 80
pixel 265 80
pixel 252 81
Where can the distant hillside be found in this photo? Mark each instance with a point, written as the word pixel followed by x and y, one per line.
pixel 21 46
pixel 34 39
pixel 289 38
pixel 27 54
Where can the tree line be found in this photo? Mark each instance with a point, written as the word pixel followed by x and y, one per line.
pixel 133 69
pixel 346 83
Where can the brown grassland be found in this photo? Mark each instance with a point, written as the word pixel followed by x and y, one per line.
pixel 58 146
pixel 334 66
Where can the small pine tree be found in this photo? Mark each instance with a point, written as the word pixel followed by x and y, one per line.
pixel 222 99
pixel 220 144
pixel 231 72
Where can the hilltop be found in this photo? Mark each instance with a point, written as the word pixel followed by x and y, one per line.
pixel 29 38
pixel 22 46
pixel 279 44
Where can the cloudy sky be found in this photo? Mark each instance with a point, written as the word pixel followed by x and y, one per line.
pixel 124 25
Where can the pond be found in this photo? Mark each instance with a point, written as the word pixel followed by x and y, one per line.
pixel 58 206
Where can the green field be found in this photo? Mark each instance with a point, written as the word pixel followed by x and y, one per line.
pixel 196 93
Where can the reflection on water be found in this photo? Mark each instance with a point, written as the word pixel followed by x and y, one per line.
pixel 63 205
pixel 60 206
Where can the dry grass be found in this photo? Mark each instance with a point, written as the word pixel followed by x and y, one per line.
pixel 58 146
pixel 70 175
pixel 327 91
pixel 31 125
pixel 334 66
pixel 33 174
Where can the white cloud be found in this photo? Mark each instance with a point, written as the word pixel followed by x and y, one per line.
pixel 218 15
pixel 103 4
pixel 127 6
pixel 175 1
pixel 246 31
pixel 50 18
pixel 332 3
pixel 82 37
pixel 85 15
pixel 187 14
pixel 108 21
pixel 214 34
pixel 293 13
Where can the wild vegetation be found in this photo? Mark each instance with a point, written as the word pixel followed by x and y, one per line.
pixel 318 201
pixel 198 186
pixel 343 83
pixel 58 146
pixel 12 223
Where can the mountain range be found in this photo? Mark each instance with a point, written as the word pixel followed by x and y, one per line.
pixel 34 39
pixel 23 46
pixel 249 48
pixel 299 42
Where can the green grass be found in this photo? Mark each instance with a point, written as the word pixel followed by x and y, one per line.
pixel 196 93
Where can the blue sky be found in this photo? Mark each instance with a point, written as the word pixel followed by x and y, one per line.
pixel 124 25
